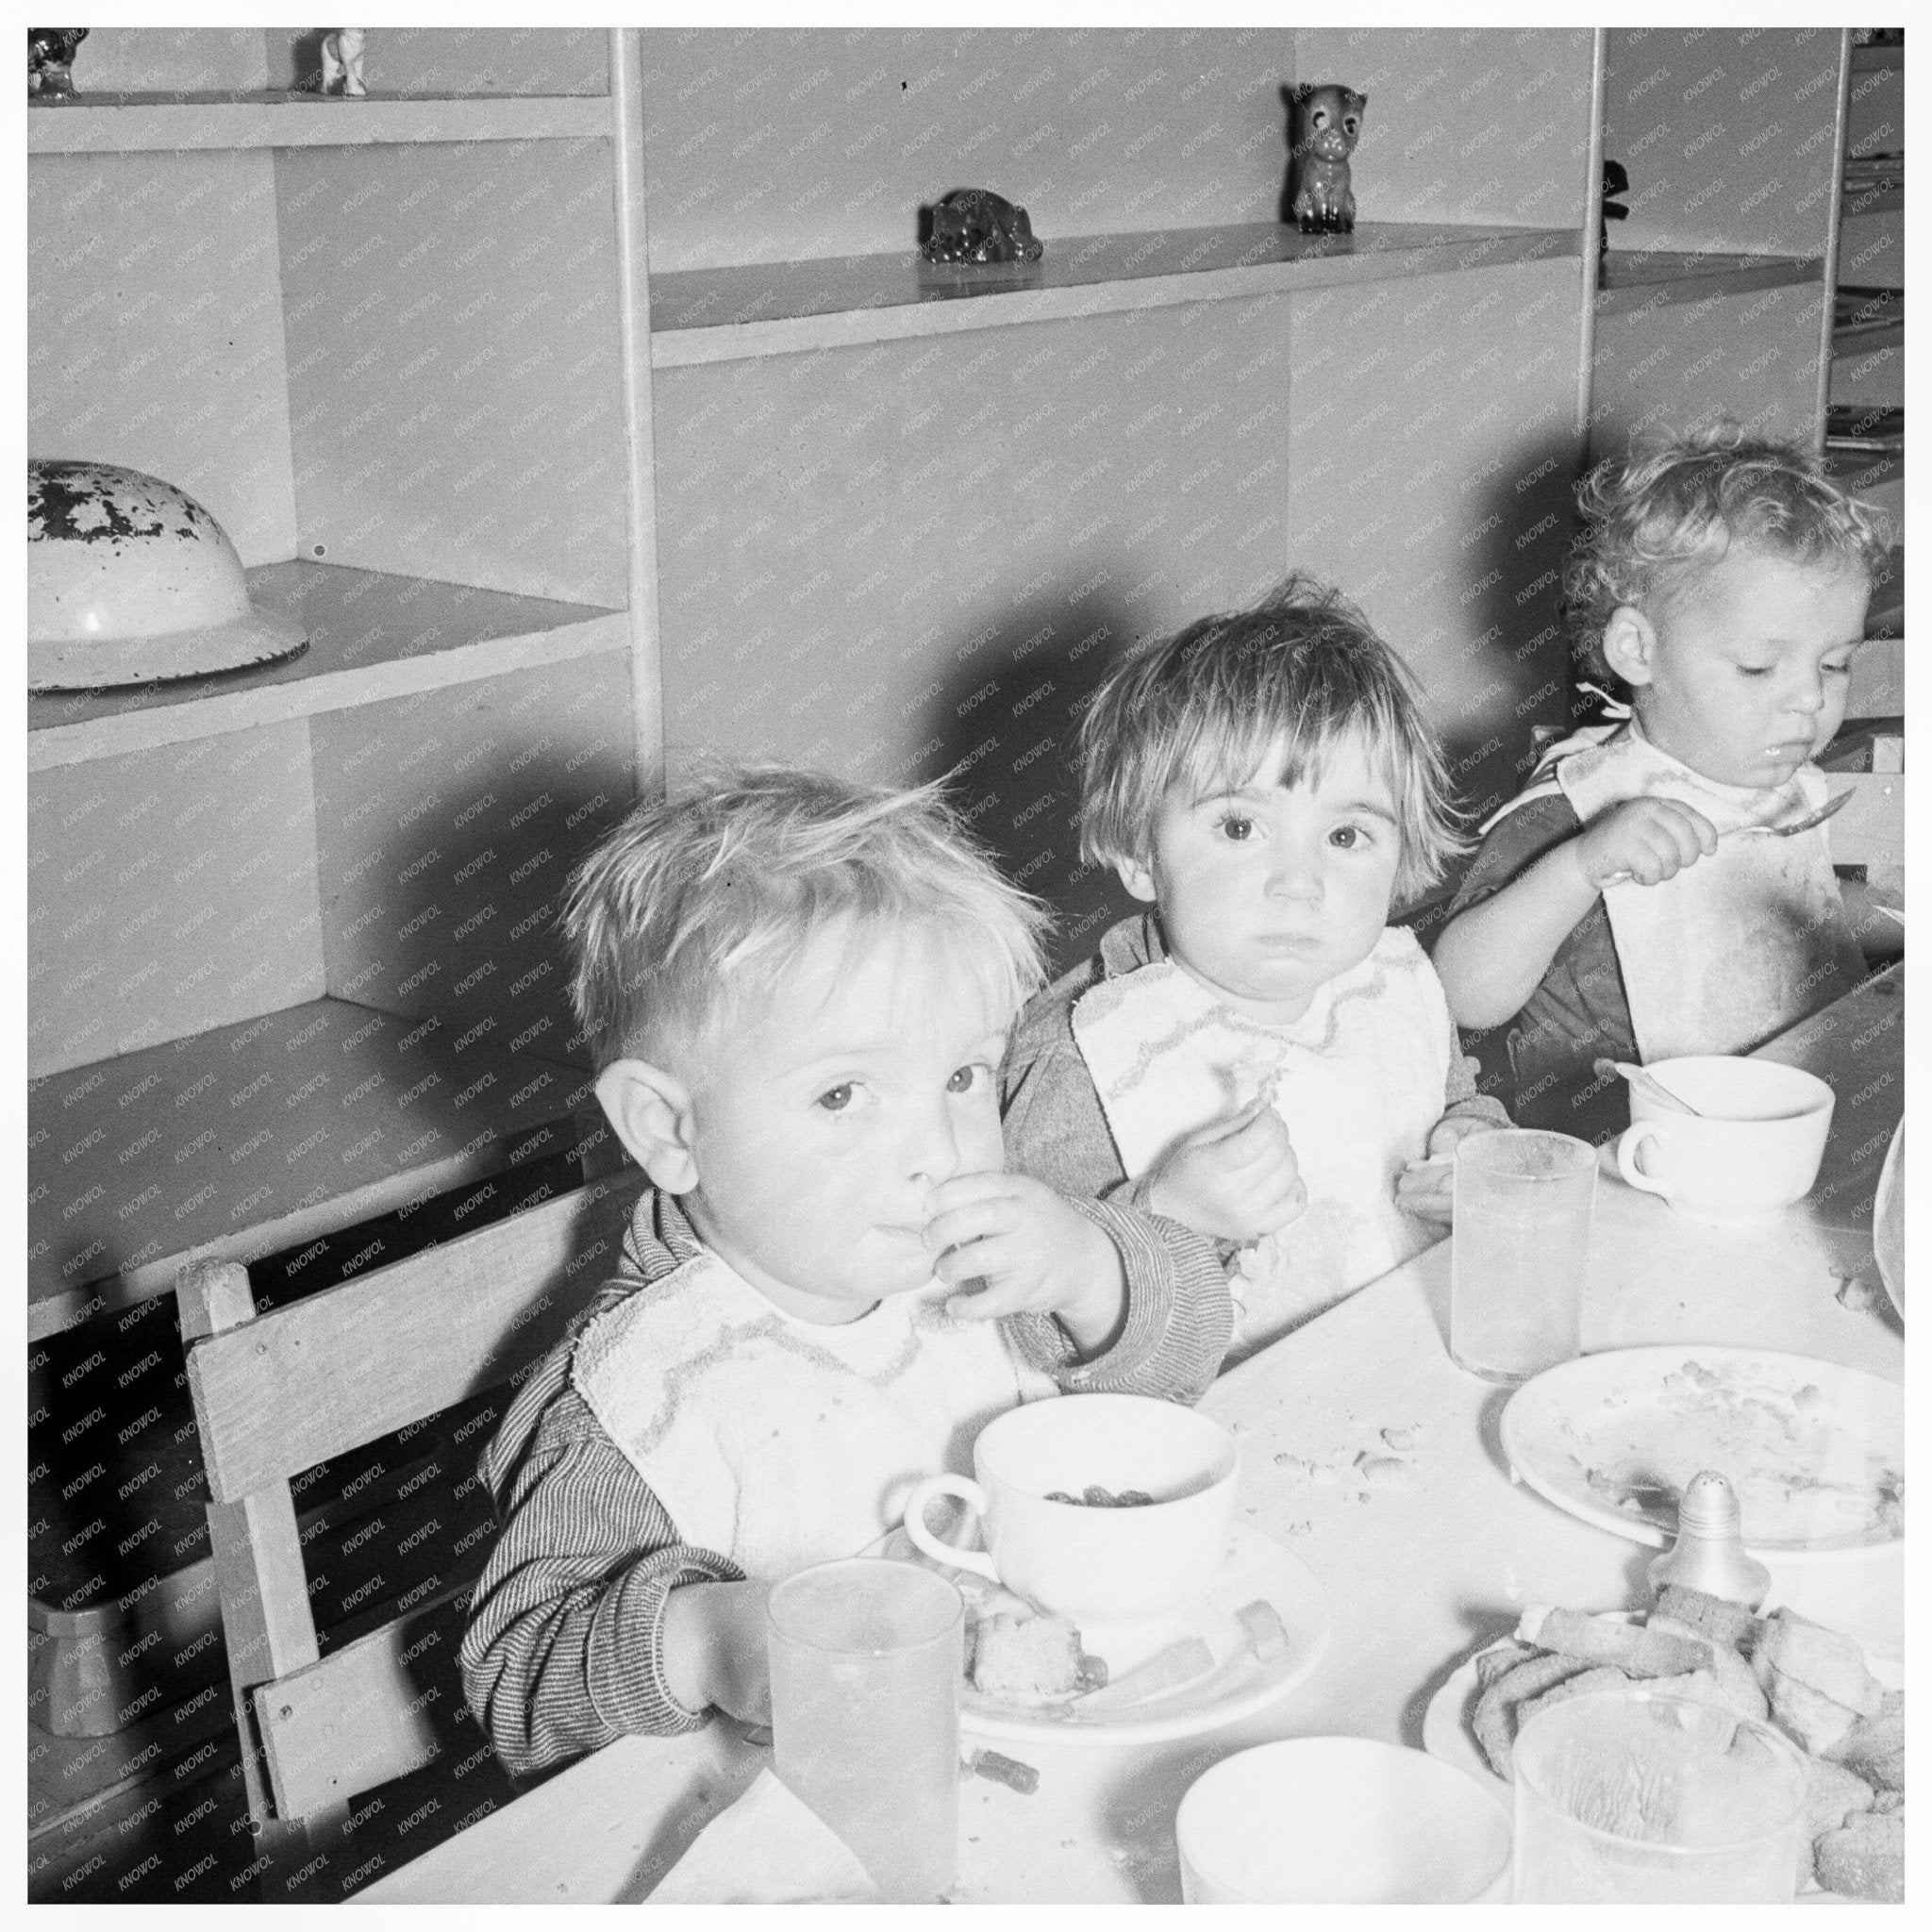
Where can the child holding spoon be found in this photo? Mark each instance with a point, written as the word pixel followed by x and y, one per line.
pixel 1259 1056
pixel 1615 911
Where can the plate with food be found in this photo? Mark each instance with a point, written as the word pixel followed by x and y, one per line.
pixel 1255 1631
pixel 1889 1222
pixel 1815 1452
pixel 1844 1710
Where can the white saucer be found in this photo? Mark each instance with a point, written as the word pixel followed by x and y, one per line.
pixel 1237 1685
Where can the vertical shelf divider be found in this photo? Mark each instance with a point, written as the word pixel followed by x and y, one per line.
pixel 634 313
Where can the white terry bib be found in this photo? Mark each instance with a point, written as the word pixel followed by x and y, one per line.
pixel 780 1443
pixel 1739 944
pixel 1361 1079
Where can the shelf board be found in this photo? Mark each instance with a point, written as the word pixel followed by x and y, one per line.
pixel 372 635
pixel 1881 198
pixel 1644 278
pixel 161 123
pixel 778 308
pixel 261 1136
pixel 1879 59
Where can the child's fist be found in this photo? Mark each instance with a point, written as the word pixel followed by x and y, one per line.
pixel 1235 1179
pixel 1032 1252
pixel 1428 1188
pixel 713 1641
pixel 1647 839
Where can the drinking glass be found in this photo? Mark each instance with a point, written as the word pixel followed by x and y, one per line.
pixel 866 1656
pixel 1520 1251
pixel 1641 1797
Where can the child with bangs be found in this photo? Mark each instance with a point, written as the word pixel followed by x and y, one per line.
pixel 798 992
pixel 1721 579
pixel 1259 1056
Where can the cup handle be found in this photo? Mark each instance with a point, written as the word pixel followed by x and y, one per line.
pixel 1632 1139
pixel 928 1545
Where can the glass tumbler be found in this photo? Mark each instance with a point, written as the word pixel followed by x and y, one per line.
pixel 1641 1797
pixel 1519 1252
pixel 866 1657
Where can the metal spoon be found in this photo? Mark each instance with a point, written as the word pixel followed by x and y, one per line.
pixel 1804 825
pixel 1639 1076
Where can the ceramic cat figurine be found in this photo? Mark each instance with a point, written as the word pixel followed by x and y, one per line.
pixel 341 62
pixel 1324 124
pixel 50 58
pixel 976 225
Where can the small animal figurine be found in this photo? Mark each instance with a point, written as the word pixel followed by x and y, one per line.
pixel 1324 124
pixel 341 61
pixel 1616 181
pixel 976 225
pixel 50 58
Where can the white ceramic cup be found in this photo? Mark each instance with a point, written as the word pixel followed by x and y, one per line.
pixel 1339 1821
pixel 1076 1560
pixel 1752 1148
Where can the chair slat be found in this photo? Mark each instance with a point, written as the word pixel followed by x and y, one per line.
pixel 301 1384
pixel 352 1721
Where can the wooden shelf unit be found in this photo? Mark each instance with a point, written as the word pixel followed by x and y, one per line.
pixel 240 118
pixel 1646 278
pixel 726 314
pixel 251 1138
pixel 372 636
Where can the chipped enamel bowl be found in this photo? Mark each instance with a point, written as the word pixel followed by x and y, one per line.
pixel 131 581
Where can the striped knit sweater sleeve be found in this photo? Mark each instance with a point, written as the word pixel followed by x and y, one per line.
pixel 563 1651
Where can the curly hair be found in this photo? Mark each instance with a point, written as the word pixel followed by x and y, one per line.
pixel 1203 709
pixel 700 900
pixel 1655 521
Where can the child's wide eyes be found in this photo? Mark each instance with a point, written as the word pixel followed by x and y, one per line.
pixel 1347 837
pixel 836 1099
pixel 967 1079
pixel 1237 826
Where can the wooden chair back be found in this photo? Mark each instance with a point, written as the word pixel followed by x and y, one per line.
pixel 277 1392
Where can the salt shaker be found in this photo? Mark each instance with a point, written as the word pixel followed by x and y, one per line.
pixel 1709 1554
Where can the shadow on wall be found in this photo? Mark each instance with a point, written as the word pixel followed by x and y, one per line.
pixel 1003 727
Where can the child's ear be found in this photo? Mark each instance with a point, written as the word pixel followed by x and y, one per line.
pixel 1630 645
pixel 650 1112
pixel 1138 878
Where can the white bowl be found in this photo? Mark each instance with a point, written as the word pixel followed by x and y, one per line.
pixel 1339 1821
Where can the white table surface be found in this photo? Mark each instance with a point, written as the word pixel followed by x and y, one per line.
pixel 1415 1575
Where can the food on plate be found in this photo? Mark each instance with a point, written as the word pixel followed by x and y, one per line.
pixel 1828 1661
pixel 1865 1858
pixel 1805 1472
pixel 1832 1795
pixel 1715 1617
pixel 1032 1659
pixel 1265 1631
pixel 1495 1712
pixel 1178 1663
pixel 1094 1497
pixel 1634 1650
pixel 1874 1747
pixel 1812 1682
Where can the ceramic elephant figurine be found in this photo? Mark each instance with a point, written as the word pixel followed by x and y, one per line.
pixel 976 225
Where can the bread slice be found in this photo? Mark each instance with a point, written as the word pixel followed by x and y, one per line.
pixel 1028 1660
pixel 1866 1857
pixel 1875 1746
pixel 1832 1796
pixel 1828 1661
pixel 1714 1617
pixel 1814 1721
